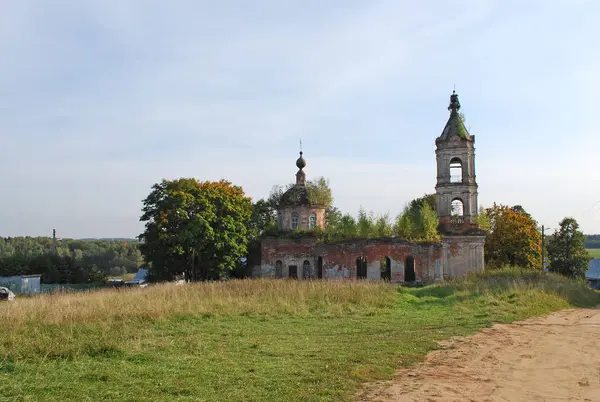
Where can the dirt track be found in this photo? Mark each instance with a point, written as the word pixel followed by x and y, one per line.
pixel 541 359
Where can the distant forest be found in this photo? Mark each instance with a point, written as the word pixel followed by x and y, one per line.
pixel 70 260
pixel 592 241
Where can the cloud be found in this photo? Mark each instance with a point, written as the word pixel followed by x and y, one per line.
pixel 98 100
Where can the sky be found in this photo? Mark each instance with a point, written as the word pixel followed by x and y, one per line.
pixel 100 99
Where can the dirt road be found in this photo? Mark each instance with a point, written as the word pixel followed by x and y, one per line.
pixel 541 359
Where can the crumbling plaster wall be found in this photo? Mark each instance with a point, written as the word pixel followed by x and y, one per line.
pixel 339 260
pixel 462 255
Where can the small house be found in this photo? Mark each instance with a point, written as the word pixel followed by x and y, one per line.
pixel 593 274
pixel 140 278
pixel 23 284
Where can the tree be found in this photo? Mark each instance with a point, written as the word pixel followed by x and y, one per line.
pixel 418 220
pixel 483 219
pixel 263 218
pixel 513 238
pixel 199 229
pixel 566 250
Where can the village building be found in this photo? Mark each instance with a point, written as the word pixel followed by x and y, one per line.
pixel 459 252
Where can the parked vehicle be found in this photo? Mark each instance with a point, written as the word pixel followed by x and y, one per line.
pixel 6 294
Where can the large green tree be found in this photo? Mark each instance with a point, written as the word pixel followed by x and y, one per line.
pixel 566 250
pixel 199 229
pixel 513 238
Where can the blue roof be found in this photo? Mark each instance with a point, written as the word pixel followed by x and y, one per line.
pixel 594 269
pixel 141 275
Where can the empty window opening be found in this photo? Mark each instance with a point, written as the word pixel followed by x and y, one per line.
pixel 313 221
pixel 278 269
pixel 456 174
pixel 320 267
pixel 361 268
pixel 386 269
pixel 306 269
pixel 457 207
pixel 294 222
pixel 409 269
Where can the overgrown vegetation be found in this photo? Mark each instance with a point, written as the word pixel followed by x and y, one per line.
pixel 259 340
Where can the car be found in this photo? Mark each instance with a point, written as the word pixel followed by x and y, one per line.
pixel 6 294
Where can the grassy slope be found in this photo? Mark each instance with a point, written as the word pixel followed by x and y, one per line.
pixel 253 340
pixel 594 252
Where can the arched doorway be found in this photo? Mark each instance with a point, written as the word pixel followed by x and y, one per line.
pixel 361 268
pixel 409 269
pixel 320 267
pixel 386 269
pixel 306 270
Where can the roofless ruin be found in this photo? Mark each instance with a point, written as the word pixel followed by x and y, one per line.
pixel 459 252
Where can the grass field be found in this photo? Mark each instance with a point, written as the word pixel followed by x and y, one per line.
pixel 250 340
pixel 594 252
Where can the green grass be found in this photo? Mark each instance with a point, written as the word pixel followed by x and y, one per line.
pixel 594 252
pixel 254 340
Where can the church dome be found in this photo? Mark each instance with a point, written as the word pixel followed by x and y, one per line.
pixel 295 196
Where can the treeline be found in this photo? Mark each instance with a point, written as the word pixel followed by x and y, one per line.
pixel 68 260
pixel 592 241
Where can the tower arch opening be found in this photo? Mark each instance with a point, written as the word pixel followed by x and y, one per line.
pixel 456 171
pixel 457 207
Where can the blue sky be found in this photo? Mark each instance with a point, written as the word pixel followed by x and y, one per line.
pixel 100 99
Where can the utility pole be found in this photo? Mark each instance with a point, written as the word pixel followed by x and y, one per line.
pixel 543 247
pixel 543 243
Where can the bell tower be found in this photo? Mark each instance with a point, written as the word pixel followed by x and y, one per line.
pixel 456 187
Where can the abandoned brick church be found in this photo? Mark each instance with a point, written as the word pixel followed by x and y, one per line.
pixel 459 252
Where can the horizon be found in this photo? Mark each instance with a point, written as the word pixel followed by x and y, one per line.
pixel 102 100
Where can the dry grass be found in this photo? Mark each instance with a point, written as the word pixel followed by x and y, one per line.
pixel 65 325
pixel 203 299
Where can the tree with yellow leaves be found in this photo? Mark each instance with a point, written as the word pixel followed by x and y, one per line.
pixel 513 238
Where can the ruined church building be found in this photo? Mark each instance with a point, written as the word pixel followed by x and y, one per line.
pixel 459 252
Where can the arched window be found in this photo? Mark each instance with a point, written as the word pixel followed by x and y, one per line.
pixel 456 174
pixel 313 220
pixel 278 269
pixel 457 207
pixel 306 269
pixel 294 222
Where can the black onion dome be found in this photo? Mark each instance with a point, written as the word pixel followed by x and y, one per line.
pixel 295 196
pixel 301 163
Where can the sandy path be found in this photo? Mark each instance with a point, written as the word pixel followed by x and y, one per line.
pixel 541 359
